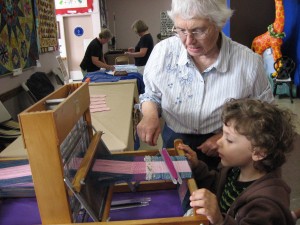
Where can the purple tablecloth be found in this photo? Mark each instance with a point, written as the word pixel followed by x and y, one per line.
pixel 19 211
pixel 166 203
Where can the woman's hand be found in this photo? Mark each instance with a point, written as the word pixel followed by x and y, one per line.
pixel 112 68
pixel 149 129
pixel 210 147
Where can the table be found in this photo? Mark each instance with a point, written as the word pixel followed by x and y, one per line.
pixel 117 124
pixel 15 149
pixel 24 211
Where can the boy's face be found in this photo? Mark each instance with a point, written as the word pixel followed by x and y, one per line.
pixel 235 150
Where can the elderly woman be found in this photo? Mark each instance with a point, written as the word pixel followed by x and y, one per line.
pixel 144 47
pixel 188 77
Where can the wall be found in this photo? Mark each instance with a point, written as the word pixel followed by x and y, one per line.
pixel 73 47
pixel 75 54
pixel 127 11
pixel 251 19
pixel 244 26
pixel 21 101
pixel 47 61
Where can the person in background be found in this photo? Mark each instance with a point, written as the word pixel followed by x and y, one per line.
pixel 144 47
pixel 189 76
pixel 93 58
pixel 249 188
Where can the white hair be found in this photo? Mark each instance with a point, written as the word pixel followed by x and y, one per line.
pixel 215 11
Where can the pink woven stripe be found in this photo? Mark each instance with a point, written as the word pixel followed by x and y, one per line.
pixel 123 167
pixel 114 166
pixel 15 172
pixel 108 166
pixel 180 166
pixel 97 96
pixel 30 184
pixel 159 167
pixel 139 168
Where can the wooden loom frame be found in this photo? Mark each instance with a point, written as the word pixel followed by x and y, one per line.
pixel 44 130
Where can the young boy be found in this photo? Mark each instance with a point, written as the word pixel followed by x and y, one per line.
pixel 248 187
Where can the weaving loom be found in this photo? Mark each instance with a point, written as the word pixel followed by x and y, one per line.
pixel 63 153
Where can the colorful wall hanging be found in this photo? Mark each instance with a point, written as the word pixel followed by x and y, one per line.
pixel 18 44
pixel 73 6
pixel 46 25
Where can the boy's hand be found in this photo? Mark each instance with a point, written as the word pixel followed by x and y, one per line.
pixel 207 205
pixel 189 154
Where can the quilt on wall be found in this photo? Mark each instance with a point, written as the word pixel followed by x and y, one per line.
pixel 46 25
pixel 18 44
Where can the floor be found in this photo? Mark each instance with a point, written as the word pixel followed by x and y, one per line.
pixel 291 168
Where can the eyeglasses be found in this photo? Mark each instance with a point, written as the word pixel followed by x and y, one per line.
pixel 196 33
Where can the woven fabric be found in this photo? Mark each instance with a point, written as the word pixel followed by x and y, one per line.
pixel 111 169
pixel 15 173
pixel 16 179
pixel 139 168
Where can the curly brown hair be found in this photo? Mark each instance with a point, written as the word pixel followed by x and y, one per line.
pixel 269 129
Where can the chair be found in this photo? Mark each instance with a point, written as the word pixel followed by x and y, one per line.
pixel 38 86
pixel 59 77
pixel 121 60
pixel 284 66
pixel 65 76
pixel 9 129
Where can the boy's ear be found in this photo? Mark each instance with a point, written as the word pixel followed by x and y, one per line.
pixel 258 154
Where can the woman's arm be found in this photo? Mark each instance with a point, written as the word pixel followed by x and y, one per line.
pixel 101 64
pixel 139 54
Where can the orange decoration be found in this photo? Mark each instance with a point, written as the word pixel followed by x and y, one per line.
pixel 273 37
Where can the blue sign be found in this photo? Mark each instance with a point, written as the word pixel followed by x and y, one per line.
pixel 78 31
